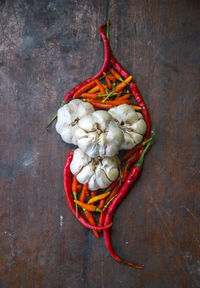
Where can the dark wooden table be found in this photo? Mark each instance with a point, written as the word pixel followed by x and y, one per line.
pixel 46 48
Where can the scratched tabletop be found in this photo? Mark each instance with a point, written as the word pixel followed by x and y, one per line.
pixel 48 47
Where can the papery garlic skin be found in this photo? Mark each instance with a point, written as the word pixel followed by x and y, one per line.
pixel 97 172
pixel 131 123
pixel 98 135
pixel 68 116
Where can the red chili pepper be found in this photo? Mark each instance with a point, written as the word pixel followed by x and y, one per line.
pixel 68 193
pixel 131 152
pixel 136 94
pixel 100 105
pixel 103 68
pixel 84 88
pixel 133 175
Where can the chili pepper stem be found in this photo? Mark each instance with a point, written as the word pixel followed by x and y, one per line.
pixel 55 116
pixel 75 197
pixel 51 121
pixel 153 134
pixel 141 159
pixel 107 28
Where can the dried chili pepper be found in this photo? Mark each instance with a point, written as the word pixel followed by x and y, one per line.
pixel 68 193
pixel 133 175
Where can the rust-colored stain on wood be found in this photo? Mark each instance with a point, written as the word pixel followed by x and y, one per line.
pixel 46 48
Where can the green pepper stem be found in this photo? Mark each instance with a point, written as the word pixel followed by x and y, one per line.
pixel 141 159
pixel 51 121
pixel 55 116
pixel 107 29
pixel 75 197
pixel 153 134
pixel 106 206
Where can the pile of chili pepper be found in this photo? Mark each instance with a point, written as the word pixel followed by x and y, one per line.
pixel 110 87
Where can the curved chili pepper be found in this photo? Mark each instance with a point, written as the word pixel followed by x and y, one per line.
pixel 136 94
pixel 132 177
pixel 68 193
pixel 103 68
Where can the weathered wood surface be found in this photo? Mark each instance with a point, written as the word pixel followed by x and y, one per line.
pixel 47 47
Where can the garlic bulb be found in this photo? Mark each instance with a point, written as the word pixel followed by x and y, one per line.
pixel 98 135
pixel 97 172
pixel 131 123
pixel 68 116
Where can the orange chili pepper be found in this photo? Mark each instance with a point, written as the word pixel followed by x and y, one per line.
pixel 112 78
pixel 98 197
pixel 79 188
pixel 123 84
pixel 83 192
pixel 89 95
pixel 74 191
pixel 99 104
pixel 87 207
pixel 124 97
pixel 116 75
pixel 91 220
pixel 95 89
pixel 93 193
pixel 108 83
pixel 118 102
pixel 136 107
pixel 101 88
pixel 101 204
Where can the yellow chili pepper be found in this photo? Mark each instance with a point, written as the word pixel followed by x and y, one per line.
pixel 87 207
pixel 123 84
pixel 98 197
